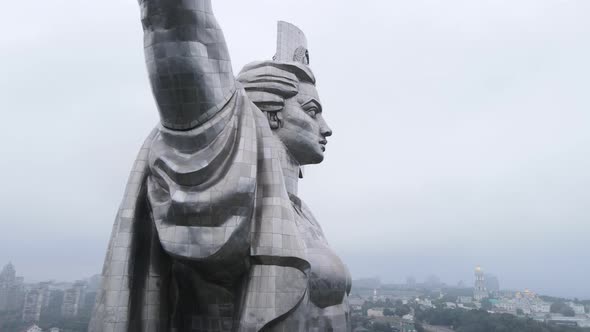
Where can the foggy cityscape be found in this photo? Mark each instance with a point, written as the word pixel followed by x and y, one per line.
pixel 66 306
pixel 454 188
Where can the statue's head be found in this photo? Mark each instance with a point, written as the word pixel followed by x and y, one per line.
pixel 284 89
pixel 285 92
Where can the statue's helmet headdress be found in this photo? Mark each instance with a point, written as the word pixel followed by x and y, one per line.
pixel 269 82
pixel 291 44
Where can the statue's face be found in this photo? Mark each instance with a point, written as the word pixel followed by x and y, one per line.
pixel 304 130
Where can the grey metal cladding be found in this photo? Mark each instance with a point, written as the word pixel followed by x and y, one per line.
pixel 211 234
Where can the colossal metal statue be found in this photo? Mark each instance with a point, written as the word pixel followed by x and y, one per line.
pixel 211 235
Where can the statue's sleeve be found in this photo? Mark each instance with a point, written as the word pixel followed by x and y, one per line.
pixel 202 161
pixel 132 274
pixel 188 61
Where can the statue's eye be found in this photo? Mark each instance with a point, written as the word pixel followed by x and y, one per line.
pixel 312 112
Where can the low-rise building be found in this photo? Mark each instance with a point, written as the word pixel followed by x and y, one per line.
pixel 464 299
pixel 425 302
pixel 356 303
pixel 33 328
pixel 569 321
pixel 451 305
pixel 526 304
pixel 407 323
pixel 541 307
pixel 375 312
pixel 578 308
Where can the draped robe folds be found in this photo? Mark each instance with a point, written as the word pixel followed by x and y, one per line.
pixel 214 196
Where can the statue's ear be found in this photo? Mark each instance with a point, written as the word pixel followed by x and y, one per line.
pixel 275 119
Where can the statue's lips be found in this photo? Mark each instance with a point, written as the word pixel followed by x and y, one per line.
pixel 323 144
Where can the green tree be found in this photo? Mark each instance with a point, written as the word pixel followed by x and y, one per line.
pixel 419 327
pixel 483 321
pixel 381 327
pixel 402 310
pixel 560 307
pixel 486 304
pixel 388 312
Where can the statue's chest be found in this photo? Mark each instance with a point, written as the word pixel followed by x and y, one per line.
pixel 329 278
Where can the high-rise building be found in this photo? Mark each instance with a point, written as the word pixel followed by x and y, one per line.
pixel 11 289
pixel 492 283
pixel 73 299
pixel 34 300
pixel 432 282
pixel 8 273
pixel 7 278
pixel 479 291
pixel 53 308
pixel 89 299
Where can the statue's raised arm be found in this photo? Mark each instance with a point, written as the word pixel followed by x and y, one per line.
pixel 187 60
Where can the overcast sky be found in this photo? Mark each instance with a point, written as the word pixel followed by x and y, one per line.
pixel 461 132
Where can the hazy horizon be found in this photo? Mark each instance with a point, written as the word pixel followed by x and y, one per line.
pixel 468 282
pixel 460 133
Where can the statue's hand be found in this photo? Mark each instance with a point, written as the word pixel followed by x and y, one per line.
pixel 169 14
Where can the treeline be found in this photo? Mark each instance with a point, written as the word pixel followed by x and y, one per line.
pixel 561 299
pixel 483 321
pixel 391 308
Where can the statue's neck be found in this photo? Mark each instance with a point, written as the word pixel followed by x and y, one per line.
pixel 291 171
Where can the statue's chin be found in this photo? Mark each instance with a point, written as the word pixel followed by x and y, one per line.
pixel 305 154
pixel 312 159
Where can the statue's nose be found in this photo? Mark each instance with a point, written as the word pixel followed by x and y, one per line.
pixel 325 130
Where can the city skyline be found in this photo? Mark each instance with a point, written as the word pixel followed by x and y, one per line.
pixel 468 281
pixel 59 306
